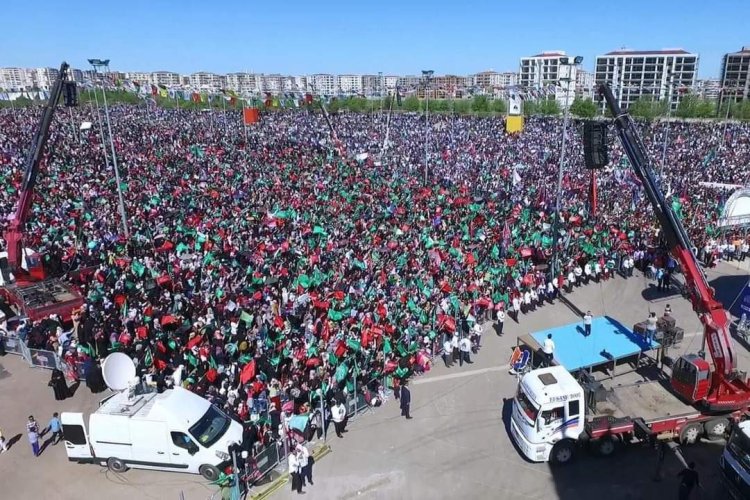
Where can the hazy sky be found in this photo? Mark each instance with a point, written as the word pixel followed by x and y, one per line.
pixel 395 37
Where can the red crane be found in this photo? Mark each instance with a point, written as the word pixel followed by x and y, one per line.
pixel 724 389
pixel 24 281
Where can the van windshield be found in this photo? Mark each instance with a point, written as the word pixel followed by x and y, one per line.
pixel 527 406
pixel 210 427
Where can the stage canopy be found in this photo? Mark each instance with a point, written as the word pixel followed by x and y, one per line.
pixel 736 211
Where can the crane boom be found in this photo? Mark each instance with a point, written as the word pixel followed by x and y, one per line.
pixel 14 236
pixel 725 389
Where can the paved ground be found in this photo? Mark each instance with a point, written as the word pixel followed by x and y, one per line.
pixel 457 445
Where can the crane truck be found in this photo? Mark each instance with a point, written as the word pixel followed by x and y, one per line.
pixel 23 280
pixel 695 399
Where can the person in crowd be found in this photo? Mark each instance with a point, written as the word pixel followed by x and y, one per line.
pixel 295 470
pixel 306 465
pixel 405 401
pixel 55 427
pixel 32 432
pixel 587 320
pixel 59 385
pixel 548 349
pixel 338 415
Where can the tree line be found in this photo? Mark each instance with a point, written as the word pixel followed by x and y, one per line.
pixel 690 106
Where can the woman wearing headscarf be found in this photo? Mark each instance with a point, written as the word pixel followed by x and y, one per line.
pixel 59 386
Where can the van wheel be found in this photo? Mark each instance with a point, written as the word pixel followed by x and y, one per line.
pixel 116 465
pixel 606 446
pixel 209 472
pixel 563 453
pixel 716 428
pixel 691 433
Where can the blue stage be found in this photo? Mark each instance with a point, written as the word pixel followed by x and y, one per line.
pixel 608 336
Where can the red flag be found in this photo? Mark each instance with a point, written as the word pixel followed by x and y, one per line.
pixel 248 372
pixel 506 234
pixel 194 341
pixel 592 193
pixel 154 90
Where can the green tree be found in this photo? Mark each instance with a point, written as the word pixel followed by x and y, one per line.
pixel 530 107
pixel 461 106
pixel 549 107
pixel 584 108
pixel 648 108
pixel 439 105
pixel 411 103
pixel 499 106
pixel 691 106
pixel 480 103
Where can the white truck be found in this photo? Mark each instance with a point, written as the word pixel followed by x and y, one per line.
pixel 549 422
pixel 735 462
pixel 176 430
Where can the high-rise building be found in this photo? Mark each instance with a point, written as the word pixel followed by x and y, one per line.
pixel 585 84
pixel 43 78
pixel 648 74
pixel 349 84
pixel 168 78
pixel 552 72
pixel 735 75
pixel 141 77
pixel 323 84
pixel 242 83
pixel 207 81
pixel 708 88
pixel 15 79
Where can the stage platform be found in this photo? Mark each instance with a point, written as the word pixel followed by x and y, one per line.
pixel 609 342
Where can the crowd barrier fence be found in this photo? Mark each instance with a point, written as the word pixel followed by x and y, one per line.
pixel 37 358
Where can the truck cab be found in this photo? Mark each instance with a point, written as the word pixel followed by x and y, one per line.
pixel 735 462
pixel 547 417
pixel 176 430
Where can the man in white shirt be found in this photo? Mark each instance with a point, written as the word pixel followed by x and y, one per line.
pixel 447 353
pixel 338 415
pixel 500 322
pixel 305 465
pixel 464 346
pixel 548 348
pixel 587 319
pixel 294 471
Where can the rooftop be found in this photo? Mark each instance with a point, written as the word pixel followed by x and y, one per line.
pixel 551 53
pixel 744 51
pixel 622 52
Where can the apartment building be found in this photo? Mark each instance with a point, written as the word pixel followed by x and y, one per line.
pixel 205 80
pixel 167 78
pixel 323 84
pixel 647 74
pixel 350 84
pixel 14 79
pixel 735 75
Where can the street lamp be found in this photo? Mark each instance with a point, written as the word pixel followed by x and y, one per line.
pixel 570 78
pixel 668 83
pixel 427 74
pixel 98 64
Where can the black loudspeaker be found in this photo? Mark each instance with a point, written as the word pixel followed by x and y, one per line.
pixel 71 94
pixel 595 151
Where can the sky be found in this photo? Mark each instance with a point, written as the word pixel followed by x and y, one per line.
pixel 331 36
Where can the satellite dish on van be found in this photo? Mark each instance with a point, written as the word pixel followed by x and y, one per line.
pixel 118 370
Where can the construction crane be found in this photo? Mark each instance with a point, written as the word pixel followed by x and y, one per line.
pixel 22 275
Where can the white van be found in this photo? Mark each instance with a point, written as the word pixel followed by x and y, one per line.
pixel 176 430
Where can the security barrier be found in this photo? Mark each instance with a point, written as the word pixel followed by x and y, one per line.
pixel 37 358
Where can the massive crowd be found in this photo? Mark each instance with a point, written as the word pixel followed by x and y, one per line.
pixel 270 267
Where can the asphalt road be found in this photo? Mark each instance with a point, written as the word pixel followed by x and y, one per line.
pixel 456 446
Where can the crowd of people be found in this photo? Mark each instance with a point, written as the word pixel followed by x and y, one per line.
pixel 276 266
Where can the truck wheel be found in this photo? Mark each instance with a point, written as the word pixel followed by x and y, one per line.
pixel 691 433
pixel 563 453
pixel 716 428
pixel 209 472
pixel 116 465
pixel 606 446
